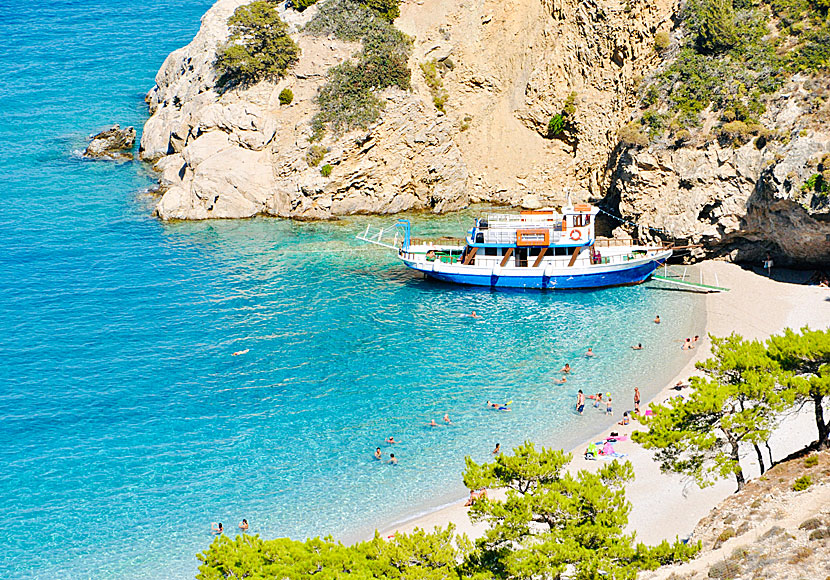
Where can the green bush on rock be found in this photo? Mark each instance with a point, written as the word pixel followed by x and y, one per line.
pixel 258 48
pixel 286 96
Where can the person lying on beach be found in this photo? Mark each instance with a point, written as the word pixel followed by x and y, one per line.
pixel 392 459
pixel 243 525
pixel 561 381
pixel 638 347
pixel 680 385
pixel 474 495
pixel 592 451
pixel 378 454
pixel 237 353
pixel 590 352
pixel 391 440
pixel 447 419
pixel 565 369
pixel 657 319
pixel 217 528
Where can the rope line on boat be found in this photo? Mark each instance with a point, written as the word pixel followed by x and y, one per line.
pixel 636 225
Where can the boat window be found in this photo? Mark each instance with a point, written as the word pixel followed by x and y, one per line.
pixel 491 251
pixel 534 251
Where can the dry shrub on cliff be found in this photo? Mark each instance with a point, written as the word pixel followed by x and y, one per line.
pixel 348 100
pixel 631 136
pixel 258 48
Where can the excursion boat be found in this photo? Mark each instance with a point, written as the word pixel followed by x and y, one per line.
pixel 533 249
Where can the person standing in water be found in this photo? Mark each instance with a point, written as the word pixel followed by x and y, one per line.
pixel 378 454
pixel 657 319
pixel 580 402
pixel 636 399
pixel 243 525
pixel 590 351
pixel 392 459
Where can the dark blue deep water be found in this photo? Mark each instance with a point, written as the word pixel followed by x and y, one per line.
pixel 126 426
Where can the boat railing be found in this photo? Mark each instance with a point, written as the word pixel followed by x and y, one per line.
pixel 509 219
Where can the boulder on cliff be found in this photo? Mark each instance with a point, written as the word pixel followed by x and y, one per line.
pixel 111 143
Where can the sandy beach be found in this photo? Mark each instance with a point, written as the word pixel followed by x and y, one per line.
pixel 665 506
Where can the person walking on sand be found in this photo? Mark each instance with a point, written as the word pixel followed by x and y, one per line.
pixel 768 265
pixel 580 402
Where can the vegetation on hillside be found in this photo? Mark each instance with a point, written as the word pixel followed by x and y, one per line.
pixel 258 48
pixel 732 55
pixel 748 385
pixel 551 521
pixel 348 100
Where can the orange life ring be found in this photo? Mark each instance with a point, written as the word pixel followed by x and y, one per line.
pixel 575 235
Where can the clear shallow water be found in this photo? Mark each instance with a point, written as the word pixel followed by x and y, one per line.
pixel 126 426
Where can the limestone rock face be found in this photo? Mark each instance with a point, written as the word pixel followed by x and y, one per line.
pixel 738 202
pixel 112 143
pixel 507 69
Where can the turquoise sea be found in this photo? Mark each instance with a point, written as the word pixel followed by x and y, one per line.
pixel 126 426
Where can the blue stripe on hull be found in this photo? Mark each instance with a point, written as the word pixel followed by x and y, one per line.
pixel 633 275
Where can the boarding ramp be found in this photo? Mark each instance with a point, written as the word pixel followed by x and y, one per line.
pixel 684 279
pixel 392 236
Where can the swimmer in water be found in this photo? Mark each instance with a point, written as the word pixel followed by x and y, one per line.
pixel 243 525
pixel 499 407
pixel 561 381
pixel 447 419
pixel 657 319
pixel 565 369
pixel 391 440
pixel 638 347
pixel 474 315
pixel 432 423
pixel 378 454
pixel 590 352
pixel 217 528
pixel 497 450
pixel 392 459
pixel 237 353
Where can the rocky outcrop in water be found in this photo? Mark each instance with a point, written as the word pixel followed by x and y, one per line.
pixel 112 143
pixel 737 202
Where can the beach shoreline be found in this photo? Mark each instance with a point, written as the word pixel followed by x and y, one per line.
pixel 755 307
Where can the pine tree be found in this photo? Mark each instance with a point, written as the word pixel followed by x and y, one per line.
pixel 805 357
pixel 737 403
pixel 552 520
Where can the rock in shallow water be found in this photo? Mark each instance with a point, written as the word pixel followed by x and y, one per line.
pixel 112 143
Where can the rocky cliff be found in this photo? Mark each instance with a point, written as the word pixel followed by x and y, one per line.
pixel 739 202
pixel 510 67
